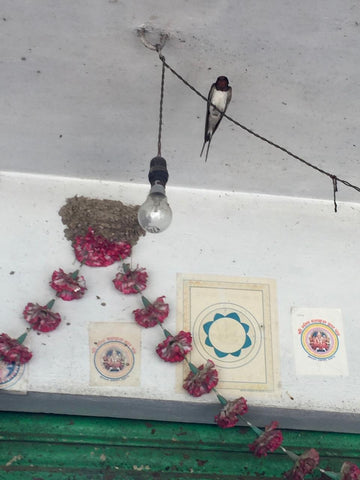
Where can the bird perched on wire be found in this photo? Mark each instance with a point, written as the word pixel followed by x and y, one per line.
pixel 219 96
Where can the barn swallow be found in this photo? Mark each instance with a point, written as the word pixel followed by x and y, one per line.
pixel 219 95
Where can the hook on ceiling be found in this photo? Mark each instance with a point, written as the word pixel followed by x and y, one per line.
pixel 152 38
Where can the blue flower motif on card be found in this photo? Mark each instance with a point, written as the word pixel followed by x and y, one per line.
pixel 227 335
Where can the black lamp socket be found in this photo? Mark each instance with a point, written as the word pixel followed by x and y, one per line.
pixel 158 172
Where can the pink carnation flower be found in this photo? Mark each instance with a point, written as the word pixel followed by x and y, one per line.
pixel 269 441
pixel 131 281
pixel 153 313
pixel 304 465
pixel 201 380
pixel 41 318
pixel 11 351
pixel 174 349
pixel 349 471
pixel 69 286
pixel 228 416
pixel 97 251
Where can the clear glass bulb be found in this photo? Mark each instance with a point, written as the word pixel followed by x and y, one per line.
pixel 155 214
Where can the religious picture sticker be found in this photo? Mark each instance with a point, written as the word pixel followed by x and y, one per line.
pixel 114 358
pixel 319 341
pixel 114 354
pixel 13 377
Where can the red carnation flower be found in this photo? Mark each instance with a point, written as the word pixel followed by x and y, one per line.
pixel 98 251
pixel 153 313
pixel 349 471
pixel 201 380
pixel 131 281
pixel 304 465
pixel 69 286
pixel 269 441
pixel 228 416
pixel 11 351
pixel 174 349
pixel 41 318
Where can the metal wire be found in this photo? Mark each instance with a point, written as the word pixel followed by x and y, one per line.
pixel 334 178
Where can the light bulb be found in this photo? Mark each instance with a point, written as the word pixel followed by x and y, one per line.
pixel 155 214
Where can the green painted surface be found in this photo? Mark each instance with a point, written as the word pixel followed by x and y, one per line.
pixel 57 447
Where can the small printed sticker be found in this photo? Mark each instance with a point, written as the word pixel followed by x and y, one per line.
pixel 10 374
pixel 319 343
pixel 115 352
pixel 114 358
pixel 319 339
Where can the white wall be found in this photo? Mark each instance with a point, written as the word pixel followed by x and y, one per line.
pixel 310 251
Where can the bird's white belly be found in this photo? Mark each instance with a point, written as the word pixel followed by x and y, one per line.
pixel 219 99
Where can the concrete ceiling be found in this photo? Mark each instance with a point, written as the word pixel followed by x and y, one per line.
pixel 80 92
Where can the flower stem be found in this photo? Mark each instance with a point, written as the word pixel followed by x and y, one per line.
pixel 166 332
pixel 254 428
pixel 221 399
pixel 289 453
pixel 50 304
pixel 75 274
pixel 193 368
pixel 333 475
pixel 145 301
pixel 22 337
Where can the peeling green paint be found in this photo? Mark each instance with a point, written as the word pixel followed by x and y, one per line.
pixel 56 447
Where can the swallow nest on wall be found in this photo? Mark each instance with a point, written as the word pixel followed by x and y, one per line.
pixel 111 219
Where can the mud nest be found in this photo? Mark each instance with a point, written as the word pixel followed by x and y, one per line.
pixel 110 218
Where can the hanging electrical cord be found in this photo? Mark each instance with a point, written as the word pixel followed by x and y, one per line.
pixel 155 214
pixel 158 49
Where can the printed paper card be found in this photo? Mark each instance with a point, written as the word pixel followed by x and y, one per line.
pixel 319 342
pixel 13 377
pixel 233 322
pixel 114 354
